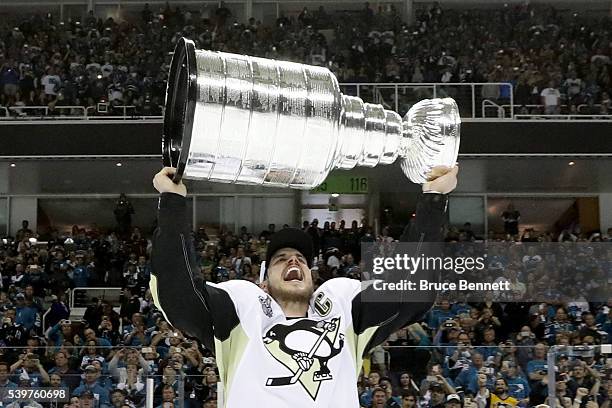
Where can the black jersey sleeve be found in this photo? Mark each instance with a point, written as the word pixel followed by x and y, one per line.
pixel 377 320
pixel 178 289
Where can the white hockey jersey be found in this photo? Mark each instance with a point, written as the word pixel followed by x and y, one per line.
pixel 304 362
pixel 264 358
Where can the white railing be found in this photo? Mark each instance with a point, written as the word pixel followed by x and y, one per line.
pixel 564 117
pixel 21 111
pixel 584 105
pixel 42 112
pixel 486 104
pixel 44 319
pixel 400 96
pixel 560 116
pixel 102 292
pixel 90 111
pixel 395 96
pixel 77 310
pixel 126 107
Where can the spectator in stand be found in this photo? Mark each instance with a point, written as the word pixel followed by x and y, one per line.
pixel 5 382
pixel 518 386
pixel 467 377
pixel 409 399
pixel 24 231
pixel 536 368
pixel 583 376
pixel 58 311
pixel 89 335
pixel 90 353
pixel 380 400
pixel 169 399
pixel 92 384
pixel 26 316
pixel 511 218
pixel 60 333
pixel 488 346
pixel 439 314
pixel 315 234
pixel 123 214
pixel 486 322
pixel 29 369
pixel 483 395
pixel 573 88
pixel 9 78
pixel 119 398
pixel 80 273
pixel 19 279
pixel 438 392
pixel 453 401
pixel 501 395
pixel 508 353
pixel 51 84
pixel 590 327
pixel 69 376
pixel 551 99
pixel 372 383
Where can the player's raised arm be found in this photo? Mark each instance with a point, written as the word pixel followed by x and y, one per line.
pixel 431 208
pixel 176 283
pixel 388 317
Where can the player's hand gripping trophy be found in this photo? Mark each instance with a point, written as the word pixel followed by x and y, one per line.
pixel 245 120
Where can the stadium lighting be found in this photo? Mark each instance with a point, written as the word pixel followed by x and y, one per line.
pixel 571 163
pixel 118 164
pixel 13 165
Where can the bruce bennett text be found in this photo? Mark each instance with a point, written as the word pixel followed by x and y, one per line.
pixel 424 285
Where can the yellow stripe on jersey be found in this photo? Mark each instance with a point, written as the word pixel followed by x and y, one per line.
pixel 357 344
pixel 228 354
pixel 156 302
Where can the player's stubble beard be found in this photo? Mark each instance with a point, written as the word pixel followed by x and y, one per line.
pixel 282 294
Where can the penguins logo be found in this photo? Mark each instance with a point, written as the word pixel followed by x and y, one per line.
pixel 305 348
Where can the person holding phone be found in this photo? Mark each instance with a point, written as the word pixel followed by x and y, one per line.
pixel 28 367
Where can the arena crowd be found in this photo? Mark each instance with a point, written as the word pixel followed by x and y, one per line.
pixel 552 62
pixel 473 355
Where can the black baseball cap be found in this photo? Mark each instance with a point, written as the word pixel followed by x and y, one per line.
pixel 290 238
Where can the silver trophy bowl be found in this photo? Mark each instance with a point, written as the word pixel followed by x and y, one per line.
pixel 238 119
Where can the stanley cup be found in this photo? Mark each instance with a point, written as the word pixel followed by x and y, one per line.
pixel 245 120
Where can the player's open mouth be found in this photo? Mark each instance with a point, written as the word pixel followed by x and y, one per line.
pixel 293 274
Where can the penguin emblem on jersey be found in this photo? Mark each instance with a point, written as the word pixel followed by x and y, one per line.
pixel 305 348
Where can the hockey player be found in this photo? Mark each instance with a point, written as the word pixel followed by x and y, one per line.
pixel 285 345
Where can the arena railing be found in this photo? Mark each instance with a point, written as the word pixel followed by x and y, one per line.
pixel 44 112
pixel 192 372
pixel 401 96
pixel 82 297
pixel 476 101
pixel 563 117
pixel 19 110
